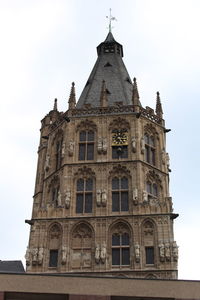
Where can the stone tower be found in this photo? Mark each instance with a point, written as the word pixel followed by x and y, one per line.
pixel 102 204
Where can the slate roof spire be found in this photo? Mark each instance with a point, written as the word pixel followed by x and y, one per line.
pixel 109 67
pixel 72 97
pixel 135 96
pixel 159 110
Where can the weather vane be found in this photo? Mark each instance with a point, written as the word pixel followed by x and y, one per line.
pixel 111 18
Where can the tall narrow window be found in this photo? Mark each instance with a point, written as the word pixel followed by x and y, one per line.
pixel 53 258
pixel 86 145
pixel 152 189
pixel 120 194
pixel 58 154
pixel 149 149
pixel 120 249
pixel 84 195
pixel 149 251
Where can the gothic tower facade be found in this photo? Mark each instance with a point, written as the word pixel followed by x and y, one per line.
pixel 101 203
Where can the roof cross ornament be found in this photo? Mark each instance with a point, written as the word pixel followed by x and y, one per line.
pixel 111 18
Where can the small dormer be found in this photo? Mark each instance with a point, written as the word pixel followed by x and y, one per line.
pixel 110 46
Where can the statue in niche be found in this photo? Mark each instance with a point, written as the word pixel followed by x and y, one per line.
pixel 67 199
pixel 135 196
pixel 71 148
pixel 145 197
pixel 63 150
pixel 103 198
pixel 103 253
pixel 142 144
pixel 175 251
pixel 137 252
pixel 98 198
pixel 161 251
pixel 97 253
pixel 28 256
pixel 133 142
pixel 100 145
pixel 47 163
pixel 104 145
pixel 40 256
pixel 34 253
pixel 163 157
pixel 59 201
pixel 167 251
pixel 167 160
pixel 63 255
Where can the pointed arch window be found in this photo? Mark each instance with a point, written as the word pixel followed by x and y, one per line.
pixel 149 149
pixel 149 242
pixel 86 145
pixel 84 195
pixel 152 189
pixel 120 186
pixel 54 245
pixel 120 246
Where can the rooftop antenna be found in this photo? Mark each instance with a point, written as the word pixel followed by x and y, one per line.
pixel 110 18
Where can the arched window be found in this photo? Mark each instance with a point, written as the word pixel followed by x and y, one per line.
pixel 120 245
pixel 149 242
pixel 120 194
pixel 149 149
pixel 54 245
pixel 84 195
pixel 86 145
pixel 152 189
pixel 82 247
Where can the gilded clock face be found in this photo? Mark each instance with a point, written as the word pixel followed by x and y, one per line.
pixel 119 138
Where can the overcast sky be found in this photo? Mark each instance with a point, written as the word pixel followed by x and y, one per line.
pixel 47 44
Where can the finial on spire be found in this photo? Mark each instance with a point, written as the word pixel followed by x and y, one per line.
pixel 159 110
pixel 103 96
pixel 111 18
pixel 135 95
pixel 72 97
pixel 55 105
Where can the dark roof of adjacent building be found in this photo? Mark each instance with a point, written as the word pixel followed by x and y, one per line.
pixel 11 266
pixel 110 68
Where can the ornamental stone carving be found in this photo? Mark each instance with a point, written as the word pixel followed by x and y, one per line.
pixel 161 251
pixel 59 199
pixel 133 144
pixel 34 252
pixel 28 256
pixel 167 251
pixel 102 145
pixel 104 198
pixel 145 197
pixel 67 199
pixel 47 163
pixel 105 145
pixel 63 150
pixel 97 254
pixel 63 255
pixel 71 148
pixel 142 145
pixel 40 256
pixel 98 198
pixel 103 253
pixel 135 196
pixel 175 251
pixel 137 252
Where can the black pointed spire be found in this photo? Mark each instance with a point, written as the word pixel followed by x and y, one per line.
pixel 159 110
pixel 135 95
pixel 55 107
pixel 72 97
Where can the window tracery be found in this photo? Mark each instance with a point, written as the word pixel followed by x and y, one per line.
pixel 55 234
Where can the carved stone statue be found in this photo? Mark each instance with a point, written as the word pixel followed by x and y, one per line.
pixel 161 251
pixel 67 199
pixel 59 201
pixel 97 253
pixel 71 148
pixel 63 255
pixel 145 197
pixel 98 198
pixel 142 144
pixel 135 196
pixel 40 256
pixel 104 145
pixel 175 251
pixel 28 256
pixel 167 159
pixel 163 157
pixel 63 150
pixel 103 253
pixel 133 142
pixel 103 198
pixel 167 251
pixel 137 252
pixel 47 163
pixel 34 253
pixel 100 145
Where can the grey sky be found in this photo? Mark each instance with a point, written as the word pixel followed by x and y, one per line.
pixel 47 44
